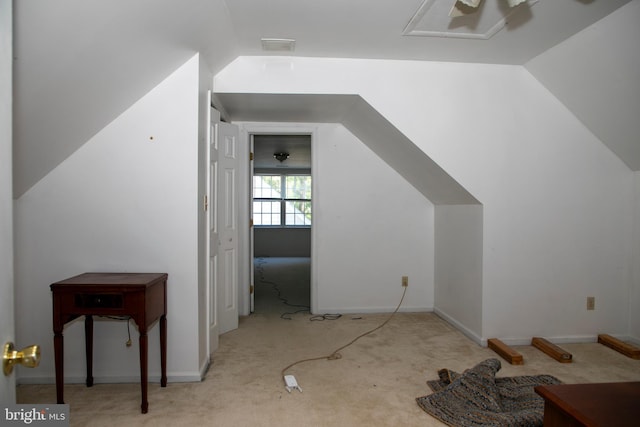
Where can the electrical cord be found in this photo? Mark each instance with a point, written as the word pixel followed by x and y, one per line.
pixel 285 301
pixel 321 317
pixel 127 318
pixel 336 354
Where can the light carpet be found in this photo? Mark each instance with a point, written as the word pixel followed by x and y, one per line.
pixel 374 384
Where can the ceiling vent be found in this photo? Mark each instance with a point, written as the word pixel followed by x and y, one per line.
pixel 278 45
pixel 433 19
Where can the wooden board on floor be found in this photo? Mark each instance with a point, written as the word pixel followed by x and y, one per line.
pixel 620 346
pixel 552 350
pixel 506 352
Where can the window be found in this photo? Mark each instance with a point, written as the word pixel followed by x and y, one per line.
pixel 282 200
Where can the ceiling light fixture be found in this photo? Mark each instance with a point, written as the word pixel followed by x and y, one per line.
pixel 278 45
pixel 434 19
pixel 466 7
pixel 281 156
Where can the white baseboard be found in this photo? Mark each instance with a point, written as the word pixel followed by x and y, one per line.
pixel 459 326
pixel 566 339
pixel 371 310
pixel 176 378
pixel 204 368
pixel 572 339
pixel 633 340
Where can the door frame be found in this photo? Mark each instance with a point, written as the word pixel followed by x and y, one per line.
pixel 247 130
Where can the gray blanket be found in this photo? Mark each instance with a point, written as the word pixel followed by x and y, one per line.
pixel 478 398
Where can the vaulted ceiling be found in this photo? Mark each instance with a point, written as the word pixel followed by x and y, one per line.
pixel 80 63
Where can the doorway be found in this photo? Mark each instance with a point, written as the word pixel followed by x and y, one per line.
pixel 282 223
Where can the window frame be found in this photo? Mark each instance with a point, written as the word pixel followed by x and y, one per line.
pixel 283 200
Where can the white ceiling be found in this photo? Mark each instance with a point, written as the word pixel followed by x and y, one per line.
pixel 374 29
pixel 80 63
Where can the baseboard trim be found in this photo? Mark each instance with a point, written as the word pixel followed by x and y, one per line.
pixel 178 378
pixel 372 310
pixel 569 339
pixel 204 368
pixel 633 340
pixel 462 328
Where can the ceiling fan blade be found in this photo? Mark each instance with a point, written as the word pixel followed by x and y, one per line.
pixel 461 8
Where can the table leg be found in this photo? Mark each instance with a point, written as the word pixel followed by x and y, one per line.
pixel 58 348
pixel 143 370
pixel 88 337
pixel 163 350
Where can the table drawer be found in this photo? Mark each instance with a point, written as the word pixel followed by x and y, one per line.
pixel 93 300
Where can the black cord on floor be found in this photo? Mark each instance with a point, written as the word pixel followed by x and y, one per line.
pixel 274 285
pixel 321 317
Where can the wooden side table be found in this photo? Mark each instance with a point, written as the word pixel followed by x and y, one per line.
pixel 591 405
pixel 143 296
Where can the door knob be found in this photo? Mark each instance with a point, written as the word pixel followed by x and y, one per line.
pixel 28 356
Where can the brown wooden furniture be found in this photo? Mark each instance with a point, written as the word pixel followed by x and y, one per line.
pixel 591 405
pixel 143 296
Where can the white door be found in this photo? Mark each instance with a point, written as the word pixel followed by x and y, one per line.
pixel 7 383
pixel 227 225
pixel 213 117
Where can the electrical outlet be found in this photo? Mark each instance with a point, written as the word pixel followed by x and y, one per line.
pixel 405 281
pixel 591 303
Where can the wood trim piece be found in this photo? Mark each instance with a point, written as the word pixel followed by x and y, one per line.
pixel 620 346
pixel 506 352
pixel 552 350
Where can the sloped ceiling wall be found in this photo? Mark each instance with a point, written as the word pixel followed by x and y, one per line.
pixel 596 74
pixel 79 63
pixel 366 123
pixel 89 60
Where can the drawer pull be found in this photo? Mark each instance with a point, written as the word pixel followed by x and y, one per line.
pixel 98 300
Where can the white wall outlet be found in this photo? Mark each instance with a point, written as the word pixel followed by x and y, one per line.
pixel 405 281
pixel 591 303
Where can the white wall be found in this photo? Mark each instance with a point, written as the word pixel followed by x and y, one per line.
pixel 458 267
pixel 122 202
pixel 7 383
pixel 556 227
pixel 634 293
pixel 596 73
pixel 556 201
pixel 111 51
pixel 371 227
pixel 281 242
